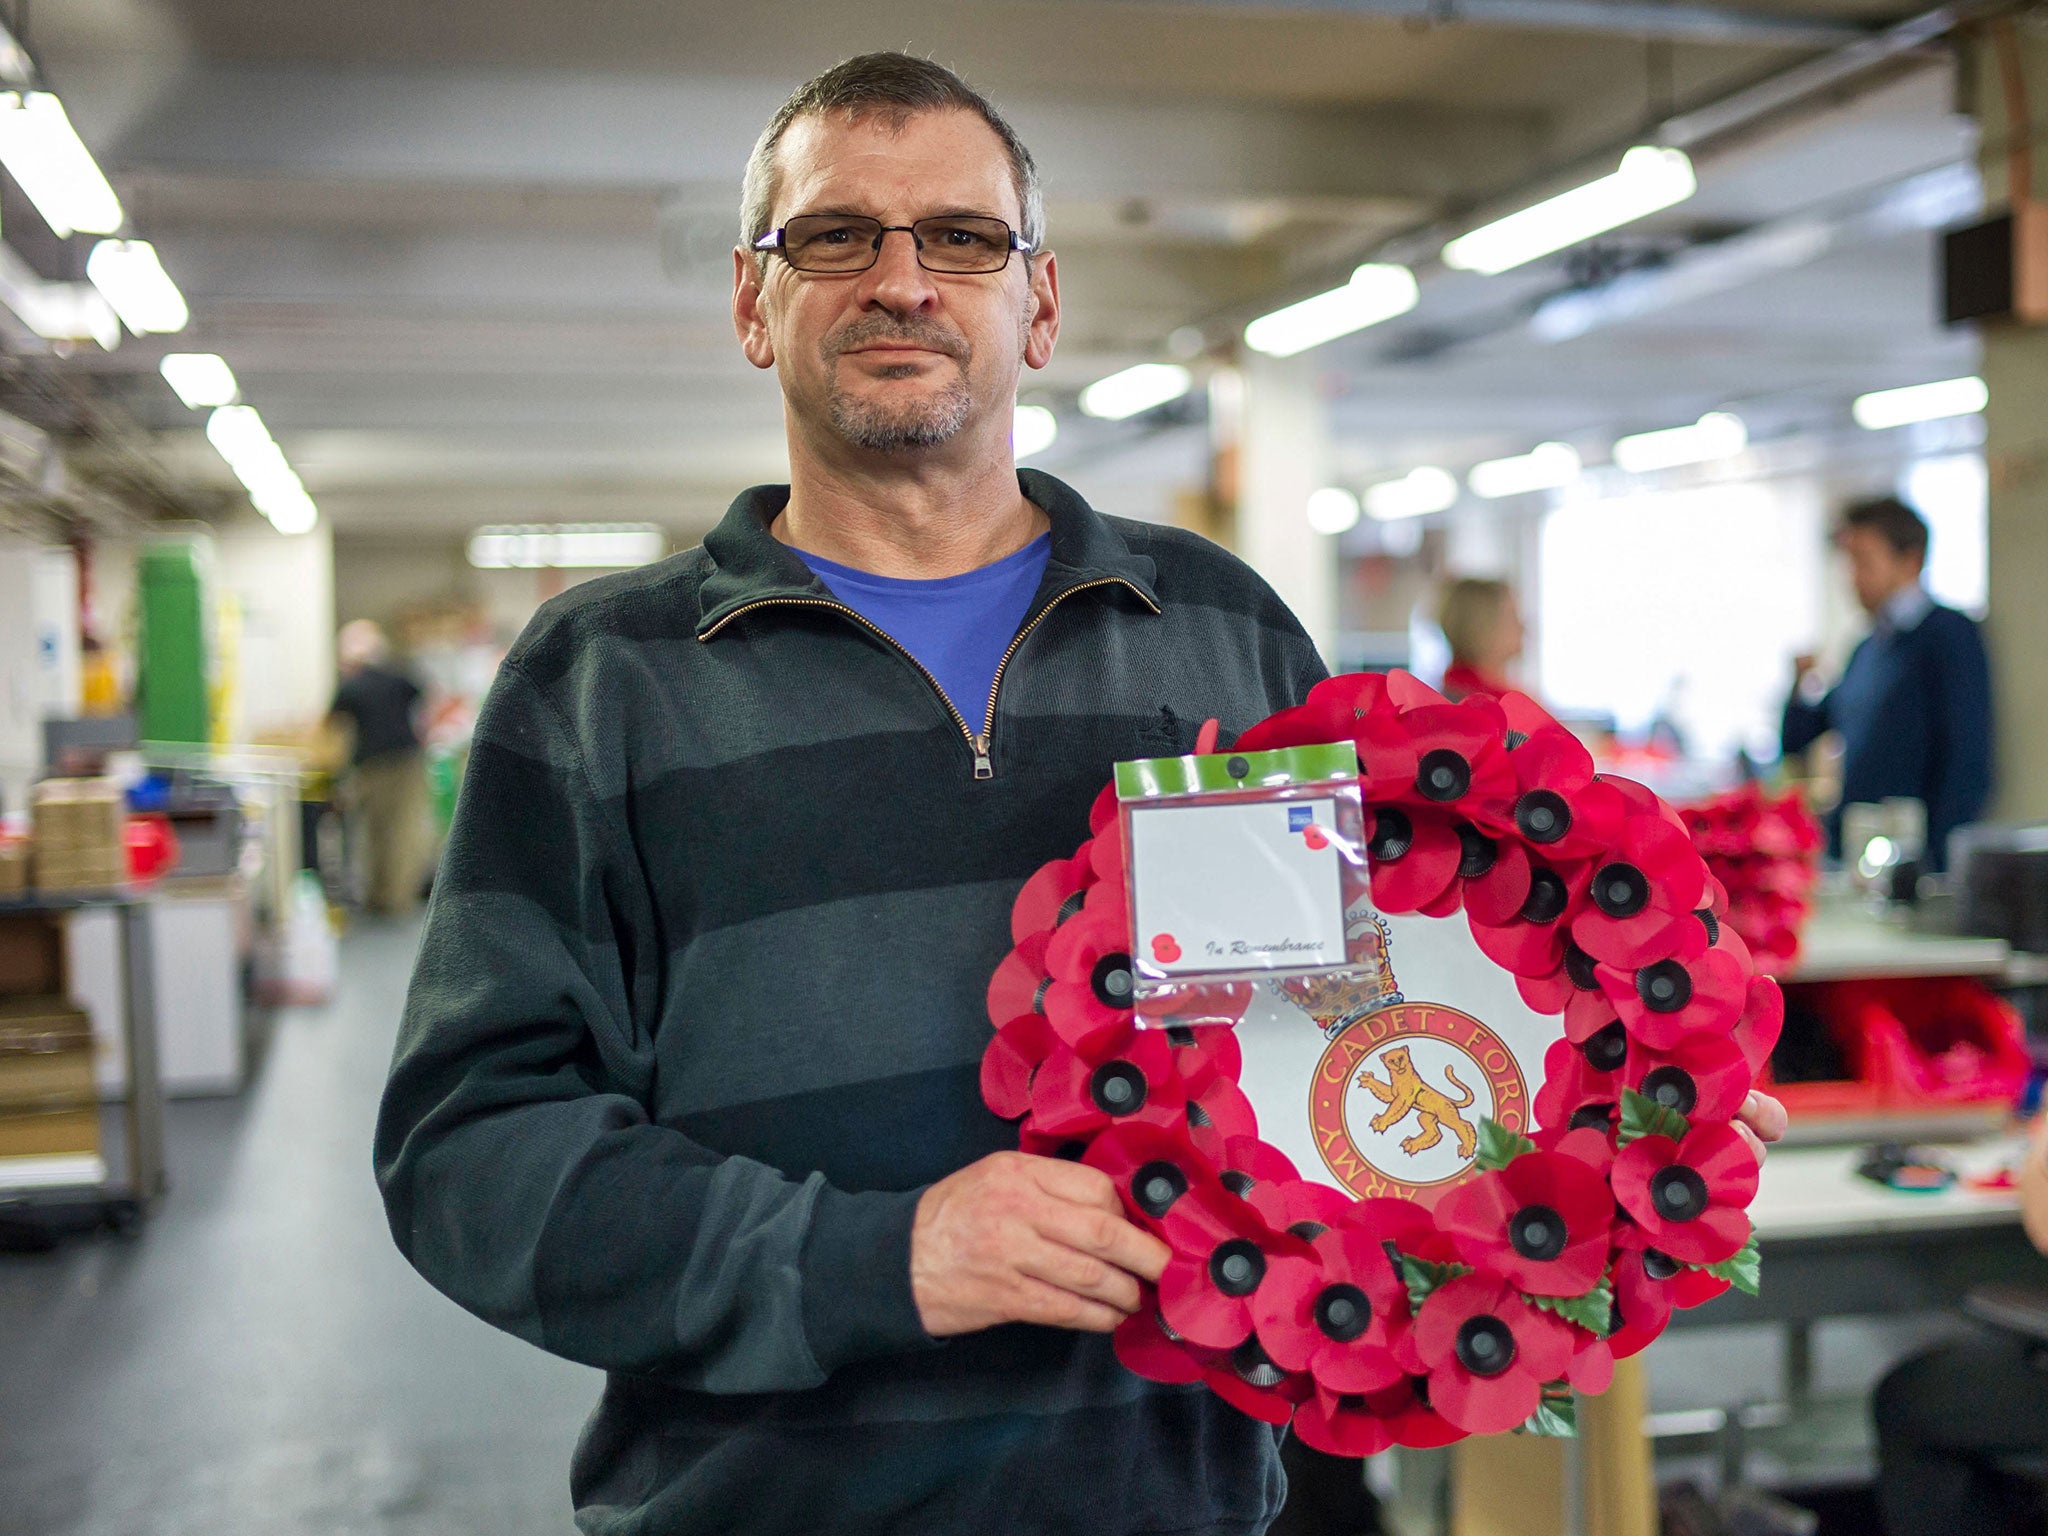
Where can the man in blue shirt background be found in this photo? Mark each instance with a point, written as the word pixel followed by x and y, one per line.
pixel 1914 704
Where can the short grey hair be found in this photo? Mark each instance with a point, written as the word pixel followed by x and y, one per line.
pixel 894 87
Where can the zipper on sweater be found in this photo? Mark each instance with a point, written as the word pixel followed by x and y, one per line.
pixel 979 745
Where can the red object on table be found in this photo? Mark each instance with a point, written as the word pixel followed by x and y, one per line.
pixel 152 847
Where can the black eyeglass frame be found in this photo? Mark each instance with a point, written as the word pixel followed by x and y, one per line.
pixel 775 243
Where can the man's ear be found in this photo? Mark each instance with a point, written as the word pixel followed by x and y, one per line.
pixel 1042 311
pixel 748 322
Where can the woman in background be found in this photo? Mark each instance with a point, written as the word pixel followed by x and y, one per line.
pixel 1481 622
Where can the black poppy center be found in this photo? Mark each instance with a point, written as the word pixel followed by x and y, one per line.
pixel 1537 1232
pixel 1486 1345
pixel 1118 1088
pixel 1599 1117
pixel 1606 1048
pixel 1442 775
pixel 1307 1231
pixel 1038 997
pixel 1659 1265
pixel 1672 1087
pixel 1343 1312
pixel 1542 816
pixel 1711 923
pixel 1179 1036
pixel 1156 1186
pixel 1664 987
pixel 1678 1193
pixel 1237 1181
pixel 1476 852
pixel 1578 966
pixel 1621 890
pixel 1254 1367
pixel 1111 980
pixel 1069 907
pixel 1547 898
pixel 1237 1267
pixel 1393 834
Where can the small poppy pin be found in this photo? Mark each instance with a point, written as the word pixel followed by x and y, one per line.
pixel 1165 948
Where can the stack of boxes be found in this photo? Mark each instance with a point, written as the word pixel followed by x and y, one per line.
pixel 80 834
pixel 48 1096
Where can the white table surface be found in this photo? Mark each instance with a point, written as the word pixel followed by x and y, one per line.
pixel 1816 1192
pixel 1847 941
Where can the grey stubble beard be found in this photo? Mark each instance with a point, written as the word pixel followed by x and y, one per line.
pixel 925 423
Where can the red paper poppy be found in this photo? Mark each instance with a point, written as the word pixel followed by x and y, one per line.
pixel 1562 807
pixel 1076 1096
pixel 1449 759
pixel 1012 1060
pixel 1542 1222
pixel 1020 981
pixel 1653 881
pixel 1592 1367
pixel 1216 1114
pixel 1689 1196
pixel 1248 1380
pixel 1413 855
pixel 1334 1312
pixel 1648 1283
pixel 1051 896
pixel 1575 991
pixel 1093 984
pixel 1763 1020
pixel 1204 1053
pixel 1531 940
pixel 1577 1088
pixel 1693 988
pixel 1591 1145
pixel 1342 1424
pixel 1149 1348
pixel 1255 1171
pixel 1331 712
pixel 1222 1253
pixel 1702 1076
pixel 1488 1352
pixel 1153 1169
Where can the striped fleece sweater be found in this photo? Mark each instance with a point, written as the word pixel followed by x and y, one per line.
pixel 698 1014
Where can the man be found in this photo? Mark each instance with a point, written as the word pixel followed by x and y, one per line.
pixel 387 775
pixel 687 1086
pixel 1952 1421
pixel 1914 705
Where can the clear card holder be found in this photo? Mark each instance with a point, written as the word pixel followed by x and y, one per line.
pixel 1241 868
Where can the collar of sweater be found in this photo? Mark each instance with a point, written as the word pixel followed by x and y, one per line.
pixel 750 565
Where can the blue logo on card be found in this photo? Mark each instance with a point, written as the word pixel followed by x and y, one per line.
pixel 1300 817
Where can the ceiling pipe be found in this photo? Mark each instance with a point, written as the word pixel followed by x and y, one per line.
pixel 1687 23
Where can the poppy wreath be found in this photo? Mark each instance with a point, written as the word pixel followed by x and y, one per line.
pixel 1765 850
pixel 1367 1323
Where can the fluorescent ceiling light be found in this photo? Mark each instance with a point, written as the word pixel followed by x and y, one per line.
pixel 1543 468
pixel 550 546
pixel 1920 402
pixel 43 152
pixel 1377 291
pixel 1415 494
pixel 1332 510
pixel 237 432
pixel 1716 435
pixel 1134 390
pixel 135 283
pixel 200 378
pixel 1649 179
pixel 1032 430
pixel 288 507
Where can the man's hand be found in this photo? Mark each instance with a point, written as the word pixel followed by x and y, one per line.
pixel 1761 1119
pixel 1022 1239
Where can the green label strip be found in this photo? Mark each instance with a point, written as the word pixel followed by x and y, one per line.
pixel 1148 777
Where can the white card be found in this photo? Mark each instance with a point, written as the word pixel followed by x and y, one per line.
pixel 1375 1080
pixel 1231 888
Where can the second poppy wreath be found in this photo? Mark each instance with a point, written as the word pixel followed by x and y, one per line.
pixel 1514 1236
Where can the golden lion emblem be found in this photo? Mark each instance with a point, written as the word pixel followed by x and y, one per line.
pixel 1406 1093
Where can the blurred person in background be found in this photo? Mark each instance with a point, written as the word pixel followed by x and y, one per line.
pixel 387 780
pixel 1949 1417
pixel 1913 707
pixel 1483 626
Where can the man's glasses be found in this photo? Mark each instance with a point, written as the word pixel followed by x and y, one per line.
pixel 840 242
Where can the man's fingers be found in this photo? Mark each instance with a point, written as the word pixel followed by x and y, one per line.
pixel 1038 1302
pixel 1083 1274
pixel 1765 1116
pixel 1105 1236
pixel 1076 1182
pixel 1750 1136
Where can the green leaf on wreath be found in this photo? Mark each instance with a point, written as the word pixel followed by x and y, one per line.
pixel 1499 1146
pixel 1557 1416
pixel 1593 1311
pixel 1743 1270
pixel 1642 1115
pixel 1423 1276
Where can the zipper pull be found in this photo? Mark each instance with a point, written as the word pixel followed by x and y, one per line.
pixel 983 768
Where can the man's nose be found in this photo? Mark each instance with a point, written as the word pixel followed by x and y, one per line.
pixel 896 282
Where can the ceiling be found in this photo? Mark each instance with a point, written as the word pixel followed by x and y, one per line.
pixel 471 260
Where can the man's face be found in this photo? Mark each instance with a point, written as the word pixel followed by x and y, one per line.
pixel 1876 569
pixel 896 359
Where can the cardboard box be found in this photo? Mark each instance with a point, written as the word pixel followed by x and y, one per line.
pixel 14 863
pixel 50 1133
pixel 80 834
pixel 46 1055
pixel 31 954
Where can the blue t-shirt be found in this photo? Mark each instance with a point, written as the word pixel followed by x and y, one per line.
pixel 957 626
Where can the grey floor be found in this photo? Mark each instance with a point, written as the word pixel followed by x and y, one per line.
pixel 260 1359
